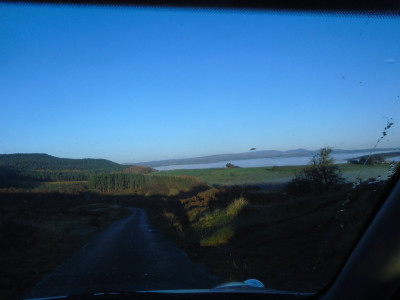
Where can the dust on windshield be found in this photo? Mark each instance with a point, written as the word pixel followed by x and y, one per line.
pixel 155 149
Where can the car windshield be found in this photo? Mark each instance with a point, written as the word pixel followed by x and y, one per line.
pixel 163 149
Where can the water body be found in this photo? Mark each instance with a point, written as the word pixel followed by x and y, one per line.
pixel 271 161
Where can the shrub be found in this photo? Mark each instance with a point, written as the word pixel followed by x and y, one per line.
pixel 219 237
pixel 320 174
pixel 174 222
pixel 229 165
pixel 236 206
pixel 216 227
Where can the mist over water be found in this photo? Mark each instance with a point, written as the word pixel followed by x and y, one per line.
pixel 340 158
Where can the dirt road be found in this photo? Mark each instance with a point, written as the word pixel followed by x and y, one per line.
pixel 130 255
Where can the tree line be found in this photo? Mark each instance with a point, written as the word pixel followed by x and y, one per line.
pixel 11 177
pixel 127 181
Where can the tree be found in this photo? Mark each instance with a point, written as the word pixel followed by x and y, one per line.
pixel 372 159
pixel 229 165
pixel 321 173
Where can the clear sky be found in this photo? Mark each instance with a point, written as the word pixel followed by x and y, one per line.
pixel 134 85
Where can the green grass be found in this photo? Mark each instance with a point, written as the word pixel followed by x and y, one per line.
pixel 271 175
pixel 219 237
pixel 212 220
pixel 352 171
pixel 231 176
pixel 215 227
pixel 236 207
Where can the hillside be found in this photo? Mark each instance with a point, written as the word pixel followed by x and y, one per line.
pixel 43 162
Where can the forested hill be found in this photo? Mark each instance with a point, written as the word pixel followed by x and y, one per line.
pixel 45 162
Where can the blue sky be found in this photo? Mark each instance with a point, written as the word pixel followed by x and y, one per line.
pixel 134 85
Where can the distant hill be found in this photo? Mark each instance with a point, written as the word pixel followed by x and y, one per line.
pixel 43 162
pixel 248 155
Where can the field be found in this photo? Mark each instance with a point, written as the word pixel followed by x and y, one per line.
pixel 270 175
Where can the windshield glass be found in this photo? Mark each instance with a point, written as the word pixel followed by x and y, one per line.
pixel 147 149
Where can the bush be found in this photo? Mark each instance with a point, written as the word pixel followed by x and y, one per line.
pixel 320 174
pixel 174 222
pixel 236 206
pixel 219 237
pixel 229 166
pixel 216 227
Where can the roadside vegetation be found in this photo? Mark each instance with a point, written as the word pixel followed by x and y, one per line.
pixel 286 240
